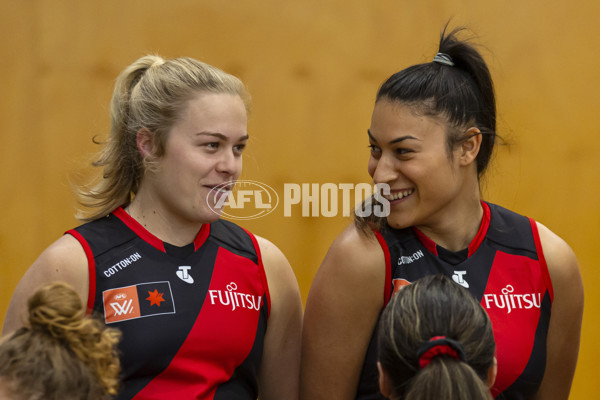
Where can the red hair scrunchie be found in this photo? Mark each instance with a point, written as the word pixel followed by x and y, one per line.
pixel 437 346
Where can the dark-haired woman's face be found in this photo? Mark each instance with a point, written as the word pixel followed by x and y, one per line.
pixel 409 153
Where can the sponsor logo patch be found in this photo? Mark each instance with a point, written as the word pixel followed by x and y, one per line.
pixel 124 263
pixel 137 301
pixel 458 278
pixel 233 299
pixel 182 273
pixel 410 259
pixel 510 301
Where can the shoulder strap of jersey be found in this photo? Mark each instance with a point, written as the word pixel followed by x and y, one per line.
pixel 261 266
pixel 387 289
pixel 541 258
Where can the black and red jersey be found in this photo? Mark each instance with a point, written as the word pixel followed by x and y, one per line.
pixel 193 318
pixel 505 269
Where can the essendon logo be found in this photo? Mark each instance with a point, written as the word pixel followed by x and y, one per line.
pixel 141 300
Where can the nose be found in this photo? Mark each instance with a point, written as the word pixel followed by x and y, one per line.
pixel 383 170
pixel 229 163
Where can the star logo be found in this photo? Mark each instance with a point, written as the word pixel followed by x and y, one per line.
pixel 155 298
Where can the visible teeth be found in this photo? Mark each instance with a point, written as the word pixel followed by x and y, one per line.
pixel 399 195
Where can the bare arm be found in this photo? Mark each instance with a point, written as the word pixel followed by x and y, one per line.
pixel 343 306
pixel 281 354
pixel 565 321
pixel 65 261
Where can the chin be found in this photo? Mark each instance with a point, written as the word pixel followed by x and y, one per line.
pixel 399 222
pixel 210 217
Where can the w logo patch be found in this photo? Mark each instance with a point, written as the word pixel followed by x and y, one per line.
pixel 141 300
pixel 123 308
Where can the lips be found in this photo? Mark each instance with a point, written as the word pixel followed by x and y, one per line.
pixel 219 193
pixel 221 187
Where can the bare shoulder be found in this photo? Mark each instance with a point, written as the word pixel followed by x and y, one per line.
pixel 564 273
pixel 343 305
pixel 564 331
pixel 64 260
pixel 268 250
pixel 283 286
pixel 355 256
pixel 281 353
pixel 276 265
pixel 351 274
pixel 561 259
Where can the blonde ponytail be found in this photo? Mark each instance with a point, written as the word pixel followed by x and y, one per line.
pixel 61 353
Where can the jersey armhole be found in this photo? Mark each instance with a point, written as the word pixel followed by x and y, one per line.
pixel 263 275
pixel 91 269
pixel 541 258
pixel 387 288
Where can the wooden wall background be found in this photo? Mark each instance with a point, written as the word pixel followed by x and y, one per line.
pixel 313 67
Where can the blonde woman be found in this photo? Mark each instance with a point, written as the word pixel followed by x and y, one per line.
pixel 207 309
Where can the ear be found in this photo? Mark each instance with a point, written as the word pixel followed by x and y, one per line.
pixel 385 385
pixel 470 147
pixel 492 371
pixel 145 140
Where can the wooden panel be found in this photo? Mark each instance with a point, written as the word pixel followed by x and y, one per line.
pixel 313 68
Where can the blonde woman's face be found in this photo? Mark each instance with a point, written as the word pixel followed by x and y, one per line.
pixel 203 151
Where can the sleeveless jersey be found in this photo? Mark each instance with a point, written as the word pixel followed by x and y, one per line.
pixel 505 269
pixel 193 324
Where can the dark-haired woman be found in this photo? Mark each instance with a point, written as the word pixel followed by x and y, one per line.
pixel 432 133
pixel 435 342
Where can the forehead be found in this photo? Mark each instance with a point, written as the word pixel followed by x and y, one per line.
pixel 216 112
pixel 393 119
pixel 206 104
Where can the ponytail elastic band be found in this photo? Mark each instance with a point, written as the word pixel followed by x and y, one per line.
pixel 438 346
pixel 442 58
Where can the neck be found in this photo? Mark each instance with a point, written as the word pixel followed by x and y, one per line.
pixel 458 227
pixel 162 224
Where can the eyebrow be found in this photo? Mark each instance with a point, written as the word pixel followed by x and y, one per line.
pixel 221 136
pixel 397 140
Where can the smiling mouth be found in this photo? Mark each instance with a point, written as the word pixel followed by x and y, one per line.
pixel 399 195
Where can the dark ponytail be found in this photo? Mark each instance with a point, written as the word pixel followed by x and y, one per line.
pixel 436 308
pixel 460 90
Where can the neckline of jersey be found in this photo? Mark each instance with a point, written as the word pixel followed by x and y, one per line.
pixel 432 247
pixel 152 240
